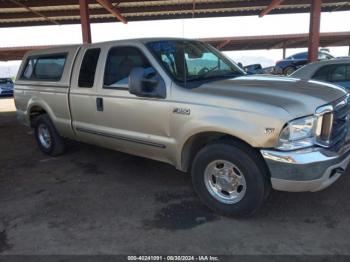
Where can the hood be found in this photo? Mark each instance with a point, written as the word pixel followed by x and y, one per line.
pixel 297 97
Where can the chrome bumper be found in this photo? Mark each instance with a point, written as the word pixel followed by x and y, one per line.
pixel 311 169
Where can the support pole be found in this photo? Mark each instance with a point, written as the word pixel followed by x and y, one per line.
pixel 85 22
pixel 284 50
pixel 349 51
pixel 314 33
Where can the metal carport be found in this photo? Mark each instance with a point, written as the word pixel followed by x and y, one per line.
pixel 34 12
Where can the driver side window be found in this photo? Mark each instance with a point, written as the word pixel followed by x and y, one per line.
pixel 207 62
pixel 120 62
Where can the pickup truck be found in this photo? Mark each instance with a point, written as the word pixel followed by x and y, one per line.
pixel 184 103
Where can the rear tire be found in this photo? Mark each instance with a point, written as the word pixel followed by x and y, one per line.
pixel 289 70
pixel 230 178
pixel 47 137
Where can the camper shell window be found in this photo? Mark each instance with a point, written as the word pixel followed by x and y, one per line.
pixel 44 68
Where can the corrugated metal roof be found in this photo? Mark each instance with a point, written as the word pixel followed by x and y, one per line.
pixel 16 13
pixel 226 43
pixel 277 41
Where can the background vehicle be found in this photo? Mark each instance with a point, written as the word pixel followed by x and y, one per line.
pixel 268 70
pixel 184 103
pixel 6 87
pixel 290 64
pixel 336 71
pixel 254 69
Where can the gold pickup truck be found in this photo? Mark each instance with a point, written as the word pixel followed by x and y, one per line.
pixel 184 103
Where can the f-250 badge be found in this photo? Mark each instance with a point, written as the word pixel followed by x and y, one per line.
pixel 269 131
pixel 182 111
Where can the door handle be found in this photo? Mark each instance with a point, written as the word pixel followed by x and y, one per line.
pixel 99 103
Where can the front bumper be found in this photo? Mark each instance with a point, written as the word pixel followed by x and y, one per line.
pixel 310 169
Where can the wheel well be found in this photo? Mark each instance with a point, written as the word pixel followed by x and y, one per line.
pixel 197 142
pixel 35 111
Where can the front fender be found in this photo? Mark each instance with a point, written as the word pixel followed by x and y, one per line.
pixel 248 127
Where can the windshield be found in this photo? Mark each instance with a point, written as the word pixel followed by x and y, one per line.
pixel 5 81
pixel 191 63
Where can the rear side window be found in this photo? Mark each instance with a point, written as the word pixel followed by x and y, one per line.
pixel 333 73
pixel 88 68
pixel 340 73
pixel 45 68
pixel 300 56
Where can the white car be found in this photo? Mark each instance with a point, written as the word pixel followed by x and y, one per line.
pixel 335 71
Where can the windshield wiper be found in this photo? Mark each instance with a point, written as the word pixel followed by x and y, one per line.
pixel 201 77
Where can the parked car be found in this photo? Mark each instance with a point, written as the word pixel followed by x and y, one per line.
pixel 290 64
pixel 6 87
pixel 268 70
pixel 343 57
pixel 238 136
pixel 254 69
pixel 336 71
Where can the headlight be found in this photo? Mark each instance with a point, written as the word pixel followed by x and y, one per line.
pixel 298 133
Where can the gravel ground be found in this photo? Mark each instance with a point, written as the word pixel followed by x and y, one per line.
pixel 96 201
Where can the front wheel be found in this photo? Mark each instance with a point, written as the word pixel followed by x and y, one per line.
pixel 230 179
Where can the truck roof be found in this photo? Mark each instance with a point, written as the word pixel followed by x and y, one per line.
pixel 63 48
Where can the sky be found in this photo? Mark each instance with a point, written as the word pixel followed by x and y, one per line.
pixel 188 28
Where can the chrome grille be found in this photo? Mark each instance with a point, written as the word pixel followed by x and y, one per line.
pixel 340 121
pixel 333 122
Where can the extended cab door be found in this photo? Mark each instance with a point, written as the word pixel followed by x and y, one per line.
pixel 123 121
pixel 83 93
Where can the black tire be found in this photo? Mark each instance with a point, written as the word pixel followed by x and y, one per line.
pixel 56 146
pixel 249 164
pixel 289 70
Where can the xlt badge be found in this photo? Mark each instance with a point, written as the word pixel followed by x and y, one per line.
pixel 182 111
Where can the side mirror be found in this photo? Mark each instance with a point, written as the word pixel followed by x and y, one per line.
pixel 145 84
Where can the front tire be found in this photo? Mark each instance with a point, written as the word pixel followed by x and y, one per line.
pixel 47 137
pixel 230 179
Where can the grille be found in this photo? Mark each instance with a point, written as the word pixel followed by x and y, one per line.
pixel 333 122
pixel 340 121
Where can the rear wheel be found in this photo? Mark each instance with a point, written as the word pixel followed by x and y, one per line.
pixel 230 179
pixel 47 137
pixel 289 70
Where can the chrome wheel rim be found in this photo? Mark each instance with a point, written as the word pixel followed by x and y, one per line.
pixel 44 136
pixel 225 181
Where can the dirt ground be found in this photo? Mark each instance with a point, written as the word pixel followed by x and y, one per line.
pixel 96 201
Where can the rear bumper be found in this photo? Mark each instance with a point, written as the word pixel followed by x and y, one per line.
pixel 311 169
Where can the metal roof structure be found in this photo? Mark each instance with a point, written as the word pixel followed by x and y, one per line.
pixel 227 43
pixel 16 53
pixel 45 12
pixel 277 41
